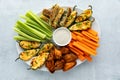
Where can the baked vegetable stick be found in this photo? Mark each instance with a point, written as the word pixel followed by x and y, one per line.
pixel 84 48
pixel 57 18
pixel 64 17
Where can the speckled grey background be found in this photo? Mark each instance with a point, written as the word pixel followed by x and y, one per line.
pixel 105 66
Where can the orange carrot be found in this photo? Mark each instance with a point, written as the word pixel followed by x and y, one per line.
pixel 73 36
pixel 81 57
pixel 89 45
pixel 90 36
pixel 76 50
pixel 93 32
pixel 87 41
pixel 88 58
pixel 79 34
pixel 84 48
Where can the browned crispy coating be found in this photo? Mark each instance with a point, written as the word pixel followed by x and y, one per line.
pixel 69 65
pixel 46 12
pixel 64 50
pixel 50 66
pixel 59 64
pixel 70 57
pixel 51 55
pixel 57 54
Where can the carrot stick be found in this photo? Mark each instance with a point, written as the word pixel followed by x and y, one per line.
pixel 73 36
pixel 84 48
pixel 81 57
pixel 88 58
pixel 96 37
pixel 76 50
pixel 90 36
pixel 93 32
pixel 87 41
pixel 79 34
pixel 89 45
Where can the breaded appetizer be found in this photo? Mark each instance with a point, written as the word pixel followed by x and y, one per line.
pixel 55 23
pixel 64 17
pixel 86 14
pixel 71 18
pixel 28 54
pixel 81 25
pixel 29 44
pixel 38 61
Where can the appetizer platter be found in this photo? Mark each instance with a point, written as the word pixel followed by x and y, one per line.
pixel 57 38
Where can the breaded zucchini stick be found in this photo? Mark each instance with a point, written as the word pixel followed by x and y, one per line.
pixel 64 17
pixel 57 18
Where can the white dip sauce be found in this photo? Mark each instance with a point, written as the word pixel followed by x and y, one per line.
pixel 61 36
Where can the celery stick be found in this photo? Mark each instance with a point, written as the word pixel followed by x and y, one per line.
pixel 37 19
pixel 26 31
pixel 49 26
pixel 19 38
pixel 25 35
pixel 30 20
pixel 41 35
pixel 35 27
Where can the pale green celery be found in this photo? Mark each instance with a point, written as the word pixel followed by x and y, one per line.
pixel 41 35
pixel 35 27
pixel 26 31
pixel 37 19
pixel 25 35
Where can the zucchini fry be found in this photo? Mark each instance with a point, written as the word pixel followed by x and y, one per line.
pixel 81 25
pixel 28 54
pixel 71 18
pixel 84 15
pixel 54 12
pixel 57 18
pixel 29 44
pixel 46 19
pixel 38 61
pixel 64 17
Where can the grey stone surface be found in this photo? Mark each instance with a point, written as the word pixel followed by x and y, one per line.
pixel 105 66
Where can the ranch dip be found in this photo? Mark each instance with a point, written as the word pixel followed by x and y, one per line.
pixel 61 36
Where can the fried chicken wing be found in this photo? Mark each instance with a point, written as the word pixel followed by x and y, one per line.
pixel 51 55
pixel 58 54
pixel 59 64
pixel 64 50
pixel 70 57
pixel 50 66
pixel 69 65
